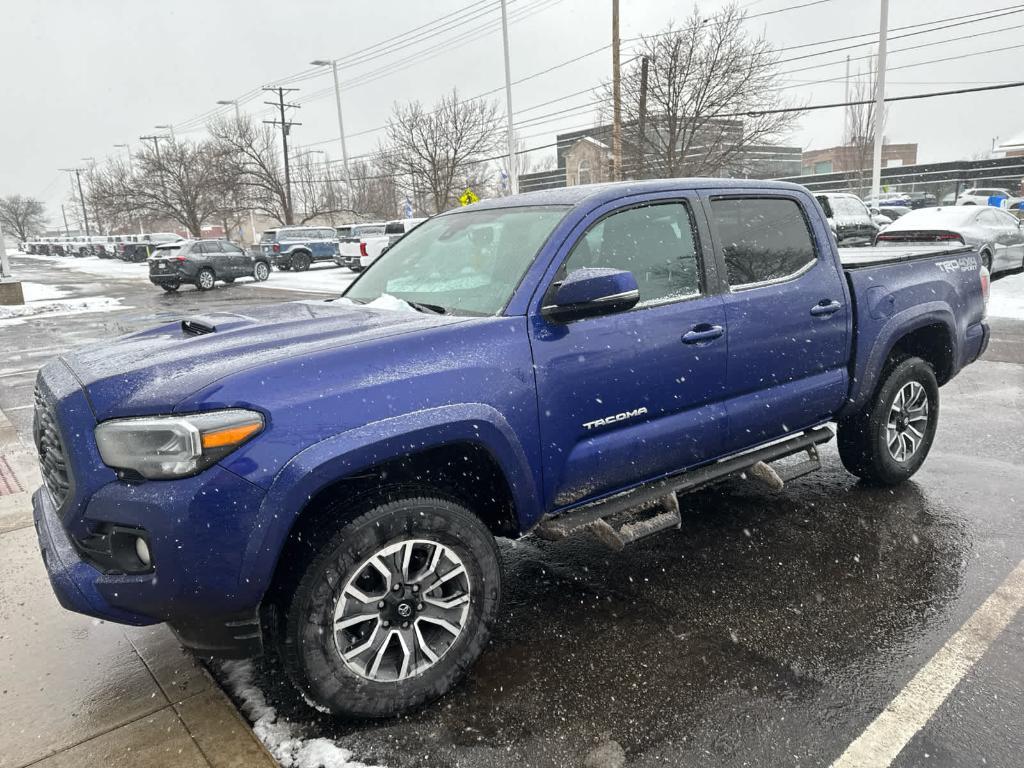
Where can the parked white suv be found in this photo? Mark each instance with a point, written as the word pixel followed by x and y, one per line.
pixel 983 196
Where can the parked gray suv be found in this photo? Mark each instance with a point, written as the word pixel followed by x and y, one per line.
pixel 202 263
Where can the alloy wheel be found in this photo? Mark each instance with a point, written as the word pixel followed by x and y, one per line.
pixel 907 422
pixel 401 610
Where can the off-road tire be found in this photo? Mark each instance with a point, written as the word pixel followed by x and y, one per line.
pixel 306 640
pixel 301 262
pixel 202 282
pixel 862 438
pixel 170 287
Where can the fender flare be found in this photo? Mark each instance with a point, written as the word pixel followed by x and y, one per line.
pixel 343 454
pixel 865 380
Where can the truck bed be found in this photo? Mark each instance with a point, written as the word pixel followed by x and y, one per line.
pixel 855 258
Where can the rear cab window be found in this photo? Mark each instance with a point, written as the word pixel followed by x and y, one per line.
pixel 762 239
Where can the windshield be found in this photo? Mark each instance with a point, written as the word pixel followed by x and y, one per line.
pixel 466 263
pixel 268 236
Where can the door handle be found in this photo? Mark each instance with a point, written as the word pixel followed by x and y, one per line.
pixel 826 307
pixel 702 332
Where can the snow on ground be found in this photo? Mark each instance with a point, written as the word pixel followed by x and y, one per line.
pixel 94 265
pixel 281 737
pixel 41 291
pixel 1006 297
pixel 318 279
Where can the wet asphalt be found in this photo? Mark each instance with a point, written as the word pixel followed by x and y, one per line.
pixel 771 629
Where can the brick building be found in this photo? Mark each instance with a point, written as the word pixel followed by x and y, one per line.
pixel 854 157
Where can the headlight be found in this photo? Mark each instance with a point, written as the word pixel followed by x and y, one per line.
pixel 164 447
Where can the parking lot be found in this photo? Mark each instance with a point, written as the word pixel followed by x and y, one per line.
pixel 771 629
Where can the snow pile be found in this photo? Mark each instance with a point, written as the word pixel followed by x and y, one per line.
pixel 1006 297
pixel 280 737
pixel 18 313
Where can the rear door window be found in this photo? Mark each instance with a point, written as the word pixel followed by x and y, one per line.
pixel 762 240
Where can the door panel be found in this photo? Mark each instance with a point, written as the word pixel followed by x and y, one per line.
pixel 622 397
pixel 787 317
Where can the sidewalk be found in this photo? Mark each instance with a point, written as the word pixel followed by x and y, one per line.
pixel 79 692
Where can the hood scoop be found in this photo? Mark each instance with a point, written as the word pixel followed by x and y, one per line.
pixel 198 326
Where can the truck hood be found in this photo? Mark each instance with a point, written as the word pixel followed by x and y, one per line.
pixel 151 371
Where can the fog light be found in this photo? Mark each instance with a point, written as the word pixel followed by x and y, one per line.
pixel 142 551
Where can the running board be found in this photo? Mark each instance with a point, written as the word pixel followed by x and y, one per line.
pixel 596 515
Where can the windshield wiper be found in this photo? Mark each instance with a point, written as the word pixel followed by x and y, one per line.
pixel 419 306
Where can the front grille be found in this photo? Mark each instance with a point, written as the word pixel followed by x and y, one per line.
pixel 53 464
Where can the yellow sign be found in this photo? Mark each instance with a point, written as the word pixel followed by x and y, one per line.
pixel 468 197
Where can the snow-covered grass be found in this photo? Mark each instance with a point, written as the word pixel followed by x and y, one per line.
pixel 281 737
pixel 42 291
pixel 1006 298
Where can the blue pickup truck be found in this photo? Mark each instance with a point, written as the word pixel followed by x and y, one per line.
pixel 326 479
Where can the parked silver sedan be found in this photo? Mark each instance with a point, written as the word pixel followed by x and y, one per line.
pixel 998 235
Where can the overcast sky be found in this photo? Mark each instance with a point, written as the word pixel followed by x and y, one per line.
pixel 79 77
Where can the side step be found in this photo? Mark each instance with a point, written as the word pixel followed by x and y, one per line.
pixel 630 505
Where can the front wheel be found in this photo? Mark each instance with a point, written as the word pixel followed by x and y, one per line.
pixel 887 442
pixel 393 609
pixel 986 261
pixel 205 279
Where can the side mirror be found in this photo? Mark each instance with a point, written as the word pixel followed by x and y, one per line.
pixel 593 291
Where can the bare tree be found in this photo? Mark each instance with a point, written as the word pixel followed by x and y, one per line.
pixel 709 84
pixel 251 162
pixel 860 130
pixel 373 193
pixel 433 154
pixel 183 182
pixel 22 216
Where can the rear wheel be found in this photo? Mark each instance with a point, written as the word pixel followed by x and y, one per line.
pixel 986 260
pixel 300 262
pixel 170 287
pixel 393 609
pixel 887 442
pixel 261 271
pixel 205 280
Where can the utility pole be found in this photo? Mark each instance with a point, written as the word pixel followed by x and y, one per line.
pixel 616 97
pixel 876 166
pixel 847 133
pixel 513 173
pixel 641 122
pixel 285 129
pixel 81 197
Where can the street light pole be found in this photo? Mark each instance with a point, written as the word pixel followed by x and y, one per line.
pixel 238 112
pixel 513 173
pixel 337 102
pixel 876 165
